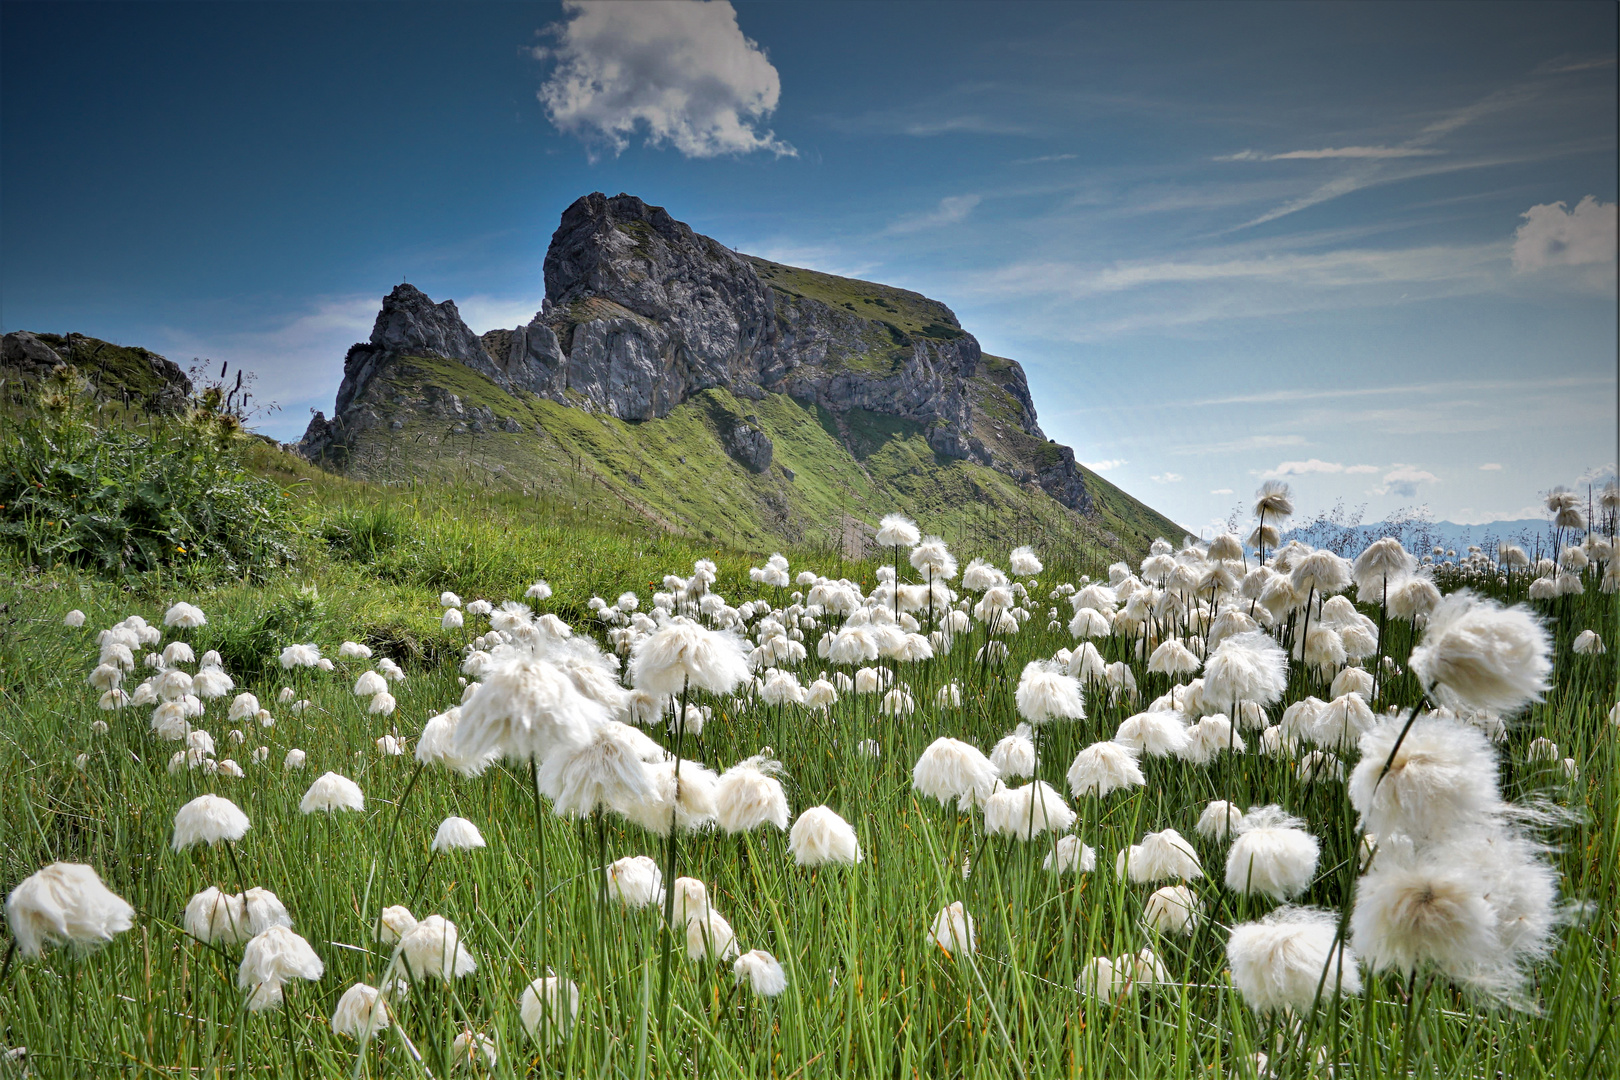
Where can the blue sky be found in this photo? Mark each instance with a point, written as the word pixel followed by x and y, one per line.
pixel 1366 247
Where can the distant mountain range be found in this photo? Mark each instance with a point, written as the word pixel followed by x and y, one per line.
pixel 1421 537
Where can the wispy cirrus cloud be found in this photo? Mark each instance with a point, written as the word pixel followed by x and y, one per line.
pixel 1312 466
pixel 951 209
pixel 1360 153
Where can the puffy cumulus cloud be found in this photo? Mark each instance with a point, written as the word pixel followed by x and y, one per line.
pixel 1554 235
pixel 1104 465
pixel 1402 481
pixel 681 70
pixel 1314 465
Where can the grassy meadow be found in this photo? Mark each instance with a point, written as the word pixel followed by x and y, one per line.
pixel 869 994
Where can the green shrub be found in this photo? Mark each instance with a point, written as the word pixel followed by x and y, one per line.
pixel 78 488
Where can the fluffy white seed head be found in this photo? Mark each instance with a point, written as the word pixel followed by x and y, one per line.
pixel 1272 855
pixel 1070 855
pixel 1046 694
pixel 760 972
pixel 330 793
pixel 1443 778
pixel 432 949
pixel 748 795
pixel 952 930
pixel 65 904
pixel 209 819
pixel 548 1008
pixel 1173 909
pixel 950 769
pixel 457 834
pixel 635 881
pixel 821 837
pixel 1104 767
pixel 1478 654
pixel 1277 964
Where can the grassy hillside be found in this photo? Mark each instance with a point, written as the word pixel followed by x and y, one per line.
pixel 676 472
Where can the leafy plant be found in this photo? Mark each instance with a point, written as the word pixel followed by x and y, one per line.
pixel 80 488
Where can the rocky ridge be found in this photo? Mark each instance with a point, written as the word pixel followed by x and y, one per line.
pixel 641 313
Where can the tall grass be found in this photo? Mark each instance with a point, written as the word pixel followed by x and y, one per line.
pixel 868 995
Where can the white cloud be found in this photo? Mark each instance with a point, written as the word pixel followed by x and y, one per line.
pixel 1220 491
pixel 485 313
pixel 1045 158
pixel 1360 152
pixel 1490 467
pixel 683 71
pixel 1402 481
pixel 1313 465
pixel 1105 465
pixel 1554 235
pixel 951 209
pixel 1238 446
pixel 1167 478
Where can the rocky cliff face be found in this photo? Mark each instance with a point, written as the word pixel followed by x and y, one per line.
pixel 133 374
pixel 641 313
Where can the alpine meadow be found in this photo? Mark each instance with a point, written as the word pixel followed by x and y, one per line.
pixel 724 671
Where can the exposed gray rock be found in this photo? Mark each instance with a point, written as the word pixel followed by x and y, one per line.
pixel 117 371
pixel 641 312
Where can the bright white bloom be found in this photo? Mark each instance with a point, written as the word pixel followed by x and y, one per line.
pixel 1160 855
pixel 608 771
pixel 1069 856
pixel 360 1013
pixel 1173 909
pixel 821 837
pixel 294 760
pixel 451 620
pixel 1588 643
pixel 1442 779
pixel 395 923
pixel 951 769
pixel 65 904
pixel 330 793
pixel 353 650
pixel 538 591
pixel 1014 756
pixel 1026 812
pixel 761 972
pixel 457 834
pixel 271 960
pixel 433 949
pixel 709 935
pixel 980 576
pixel 748 795
pixel 1478 654
pixel 209 819
pixel 524 708
pixel 1272 855
pixel 1024 563
pixel 952 930
pixel 897 530
pixel 370 683
pixel 1246 667
pixel 1277 964
pixel 1218 820
pixel 299 656
pixel 1101 979
pixel 382 704
pixel 1158 733
pixel 549 1007
pixel 635 881
pixel 1104 767
pixel 1209 737
pixel 73 619
pixel 449 600
pixel 184 616
pixel 1341 721
pixel 1045 693
pixel 1173 658
pixel 178 652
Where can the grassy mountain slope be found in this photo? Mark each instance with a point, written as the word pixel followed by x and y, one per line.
pixel 676 472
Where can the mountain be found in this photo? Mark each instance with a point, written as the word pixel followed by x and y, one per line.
pixel 1421 537
pixel 721 394
pixel 128 373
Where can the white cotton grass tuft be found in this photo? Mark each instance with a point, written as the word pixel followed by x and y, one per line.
pixel 709 935
pixel 1209 737
pixel 949 769
pixel 272 959
pixel 209 819
pixel 1102 768
pixel 1341 722
pixel 760 972
pixel 432 949
pixel 1443 779
pixel 1173 909
pixel 1023 562
pixel 548 1008
pixel 1246 667
pixel 294 760
pixel 1045 694
pixel 607 771
pixel 524 708
pixel 1069 855
pixel 748 795
pixel 1173 658
pixel 73 619
pixel 1278 963
pixel 897 530
pixel 820 837
pixel 1218 820
pixel 688 803
pixel 361 1012
pixel 184 616
pixel 332 792
pixel 952 930
pixel 681 653
pixel 1014 755
pixel 1160 855
pixel 1477 654
pixel 1026 812
pixel 635 881
pixel 65 904
pixel 457 834
pixel 1272 855
pixel 214 916
pixel 395 923
pixel 369 684
pixel 1158 733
